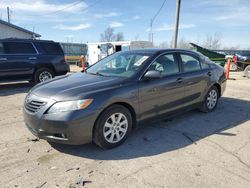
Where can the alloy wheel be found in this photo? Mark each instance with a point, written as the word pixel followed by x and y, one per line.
pixel 212 99
pixel 115 128
pixel 45 75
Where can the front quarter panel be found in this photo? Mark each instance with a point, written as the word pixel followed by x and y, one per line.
pixel 123 93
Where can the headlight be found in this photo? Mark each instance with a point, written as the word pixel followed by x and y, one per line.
pixel 70 105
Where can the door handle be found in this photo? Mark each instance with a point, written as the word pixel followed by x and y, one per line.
pixel 179 80
pixel 3 59
pixel 32 58
pixel 209 73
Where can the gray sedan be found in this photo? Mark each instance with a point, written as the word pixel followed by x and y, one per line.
pixel 107 101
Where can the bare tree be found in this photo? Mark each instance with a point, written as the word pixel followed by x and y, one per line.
pixel 213 42
pixel 163 45
pixel 237 47
pixel 137 37
pixel 183 43
pixel 119 36
pixel 108 35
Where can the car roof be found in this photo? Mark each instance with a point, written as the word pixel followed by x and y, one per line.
pixel 24 40
pixel 161 50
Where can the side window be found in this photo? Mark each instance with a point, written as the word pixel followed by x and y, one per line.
pixel 190 63
pixel 51 48
pixel 1 48
pixel 204 65
pixel 19 48
pixel 166 64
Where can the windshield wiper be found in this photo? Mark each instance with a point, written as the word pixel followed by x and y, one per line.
pixel 96 73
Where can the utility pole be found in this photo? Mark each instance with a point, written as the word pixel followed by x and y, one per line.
pixel 8 14
pixel 177 16
pixel 151 31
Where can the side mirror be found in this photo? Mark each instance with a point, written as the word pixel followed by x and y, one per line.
pixel 152 74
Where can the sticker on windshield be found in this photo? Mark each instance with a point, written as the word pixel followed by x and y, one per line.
pixel 141 60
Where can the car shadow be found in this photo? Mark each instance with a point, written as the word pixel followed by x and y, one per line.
pixel 170 134
pixel 8 89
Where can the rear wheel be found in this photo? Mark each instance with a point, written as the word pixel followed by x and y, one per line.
pixel 113 127
pixel 247 71
pixel 211 99
pixel 43 74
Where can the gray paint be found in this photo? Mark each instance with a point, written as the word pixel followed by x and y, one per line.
pixel 148 98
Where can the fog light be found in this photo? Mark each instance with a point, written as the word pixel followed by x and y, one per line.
pixel 60 135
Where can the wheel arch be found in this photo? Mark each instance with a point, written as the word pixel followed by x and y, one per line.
pixel 124 104
pixel 45 65
pixel 218 87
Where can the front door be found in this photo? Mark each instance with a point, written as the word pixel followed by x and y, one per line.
pixel 17 60
pixel 158 96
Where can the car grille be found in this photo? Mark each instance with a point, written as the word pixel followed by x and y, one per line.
pixel 33 106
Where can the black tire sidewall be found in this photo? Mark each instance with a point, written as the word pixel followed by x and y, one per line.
pixel 98 129
pixel 39 71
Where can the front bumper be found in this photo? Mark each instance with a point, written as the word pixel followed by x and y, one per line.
pixel 66 127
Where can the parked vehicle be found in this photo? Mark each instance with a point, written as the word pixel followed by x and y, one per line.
pixel 217 57
pixel 32 60
pixel 99 50
pixel 243 62
pixel 104 103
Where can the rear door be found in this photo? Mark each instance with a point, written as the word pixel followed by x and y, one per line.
pixel 18 61
pixel 158 96
pixel 51 53
pixel 196 78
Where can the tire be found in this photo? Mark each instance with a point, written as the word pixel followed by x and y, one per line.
pixel 247 71
pixel 43 74
pixel 210 100
pixel 107 128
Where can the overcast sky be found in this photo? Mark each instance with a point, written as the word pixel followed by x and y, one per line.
pixel 83 21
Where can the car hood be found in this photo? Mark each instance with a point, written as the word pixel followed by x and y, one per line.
pixel 75 86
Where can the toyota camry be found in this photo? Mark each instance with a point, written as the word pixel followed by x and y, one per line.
pixel 107 101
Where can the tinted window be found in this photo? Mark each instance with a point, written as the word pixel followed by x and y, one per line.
pixel 166 64
pixel 204 65
pixel 190 63
pixel 19 48
pixel 50 48
pixel 1 48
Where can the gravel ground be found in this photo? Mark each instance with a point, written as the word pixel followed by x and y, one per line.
pixel 190 150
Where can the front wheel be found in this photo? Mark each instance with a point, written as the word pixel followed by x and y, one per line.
pixel 112 127
pixel 211 99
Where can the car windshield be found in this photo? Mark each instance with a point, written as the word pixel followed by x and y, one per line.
pixel 123 65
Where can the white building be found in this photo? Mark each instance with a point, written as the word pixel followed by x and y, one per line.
pixel 8 30
pixel 99 50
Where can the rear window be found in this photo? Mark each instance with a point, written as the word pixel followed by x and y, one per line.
pixel 18 48
pixel 50 48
